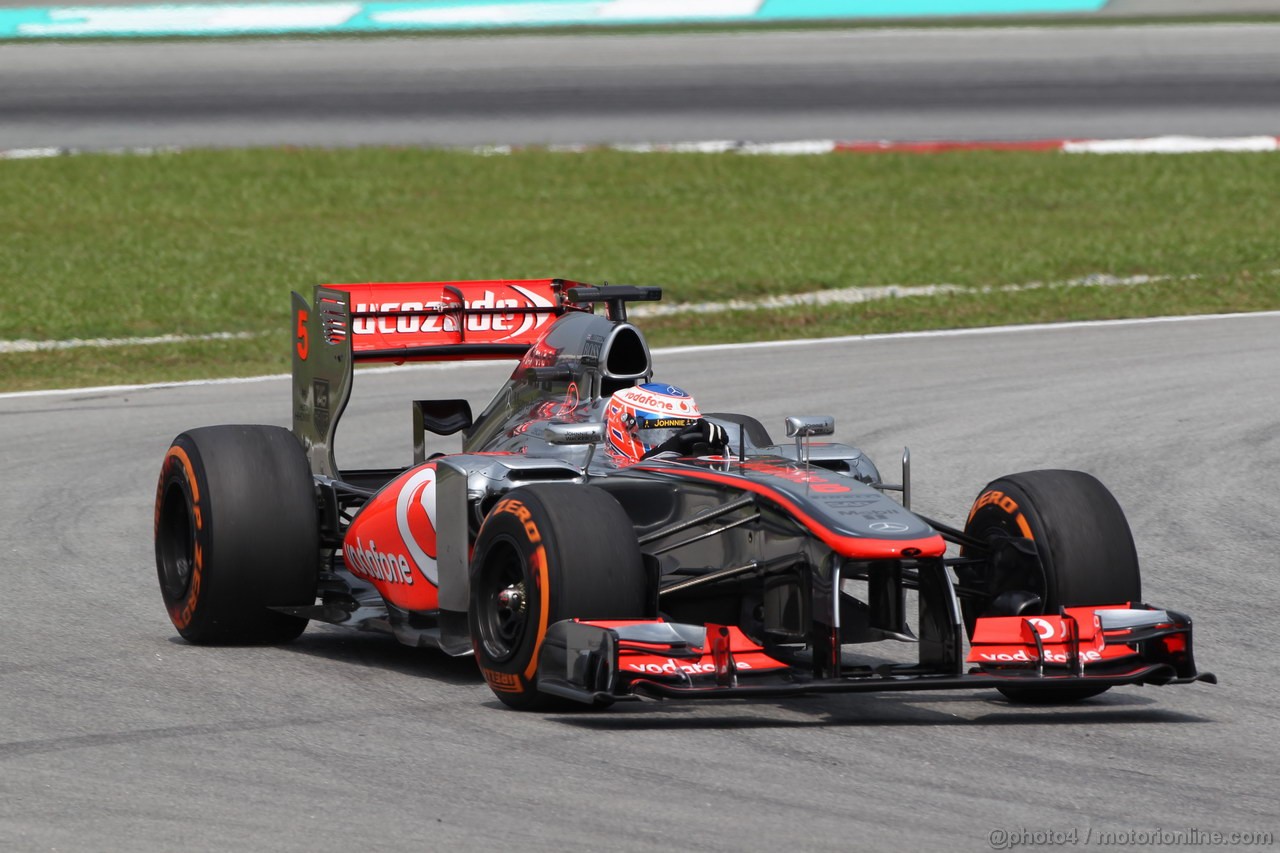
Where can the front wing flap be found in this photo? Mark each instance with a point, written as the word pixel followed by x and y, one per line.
pixel 601 662
pixel 1084 640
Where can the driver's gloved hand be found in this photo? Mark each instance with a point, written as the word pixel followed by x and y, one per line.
pixel 702 436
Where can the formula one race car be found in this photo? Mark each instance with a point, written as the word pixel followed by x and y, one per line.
pixel 600 539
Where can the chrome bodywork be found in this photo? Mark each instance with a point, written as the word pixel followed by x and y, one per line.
pixel 797 547
pixel 545 425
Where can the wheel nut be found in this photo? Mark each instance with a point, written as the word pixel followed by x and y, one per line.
pixel 512 598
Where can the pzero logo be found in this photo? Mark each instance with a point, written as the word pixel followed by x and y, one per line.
pixel 520 511
pixel 416 520
pixel 998 498
pixel 888 527
pixel 407 318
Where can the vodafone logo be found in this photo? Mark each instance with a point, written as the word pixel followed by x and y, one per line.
pixel 374 565
pixel 1043 628
pixel 1050 656
pixel 647 400
pixel 416 521
pixel 673 668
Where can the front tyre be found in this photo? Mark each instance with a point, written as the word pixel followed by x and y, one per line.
pixel 545 553
pixel 236 532
pixel 1086 550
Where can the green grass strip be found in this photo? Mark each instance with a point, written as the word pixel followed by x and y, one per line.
pixel 209 241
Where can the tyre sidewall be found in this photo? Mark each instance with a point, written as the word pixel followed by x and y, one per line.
pixel 1086 549
pixel 1085 546
pixel 183 469
pixel 579 559
pixel 514 522
pixel 254 529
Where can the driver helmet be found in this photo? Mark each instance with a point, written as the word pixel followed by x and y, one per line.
pixel 640 418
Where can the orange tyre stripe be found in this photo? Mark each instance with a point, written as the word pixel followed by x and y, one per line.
pixel 177 451
pixel 544 598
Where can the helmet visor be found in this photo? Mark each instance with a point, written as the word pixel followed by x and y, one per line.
pixel 652 430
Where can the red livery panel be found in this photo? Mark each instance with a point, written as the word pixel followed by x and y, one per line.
pixel 391 316
pixel 1012 640
pixel 392 543
pixel 650 660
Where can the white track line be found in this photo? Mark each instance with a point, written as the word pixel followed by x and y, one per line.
pixel 1172 145
pixel 18 346
pixel 855 295
pixel 806 147
pixel 959 333
pixel 846 295
pixel 801 342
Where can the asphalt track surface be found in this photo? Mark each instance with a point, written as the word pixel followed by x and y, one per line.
pixel 1016 83
pixel 116 735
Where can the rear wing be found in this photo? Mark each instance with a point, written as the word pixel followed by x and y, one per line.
pixel 399 322
pixel 438 321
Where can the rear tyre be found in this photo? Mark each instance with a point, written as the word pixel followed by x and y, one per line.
pixel 1085 547
pixel 236 532
pixel 547 552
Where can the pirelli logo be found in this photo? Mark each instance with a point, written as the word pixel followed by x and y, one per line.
pixel 502 682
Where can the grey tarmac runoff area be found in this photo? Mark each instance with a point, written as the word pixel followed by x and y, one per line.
pixel 968 83
pixel 117 736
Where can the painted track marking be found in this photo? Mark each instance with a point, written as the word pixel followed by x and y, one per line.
pixel 938 333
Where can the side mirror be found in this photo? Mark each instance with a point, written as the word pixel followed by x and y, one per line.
pixel 803 426
pixel 565 433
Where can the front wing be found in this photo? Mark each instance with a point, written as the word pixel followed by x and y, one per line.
pixel 600 662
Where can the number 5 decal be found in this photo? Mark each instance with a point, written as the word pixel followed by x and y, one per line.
pixel 303 344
